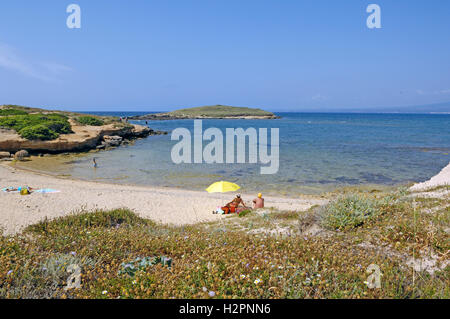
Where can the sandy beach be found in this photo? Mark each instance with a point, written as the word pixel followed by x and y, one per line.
pixel 164 205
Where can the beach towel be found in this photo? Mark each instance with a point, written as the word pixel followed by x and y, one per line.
pixel 47 191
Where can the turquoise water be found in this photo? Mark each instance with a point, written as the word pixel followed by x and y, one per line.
pixel 318 152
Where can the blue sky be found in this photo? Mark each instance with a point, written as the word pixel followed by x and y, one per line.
pixel 280 55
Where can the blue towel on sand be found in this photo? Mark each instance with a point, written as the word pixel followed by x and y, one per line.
pixel 47 191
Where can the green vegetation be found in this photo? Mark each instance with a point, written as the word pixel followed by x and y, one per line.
pixel 90 120
pixel 38 126
pixel 220 111
pixel 349 211
pixel 268 254
pixel 6 112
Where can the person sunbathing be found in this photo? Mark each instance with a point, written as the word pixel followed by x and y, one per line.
pixel 233 206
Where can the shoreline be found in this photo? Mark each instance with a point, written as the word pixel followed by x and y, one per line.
pixel 163 205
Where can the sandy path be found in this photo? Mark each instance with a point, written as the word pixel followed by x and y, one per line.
pixel 171 206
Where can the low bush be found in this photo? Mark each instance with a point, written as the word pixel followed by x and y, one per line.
pixel 38 126
pixel 90 120
pixel 38 132
pixel 348 212
pixel 6 112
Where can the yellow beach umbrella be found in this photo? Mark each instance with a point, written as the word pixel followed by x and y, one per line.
pixel 222 187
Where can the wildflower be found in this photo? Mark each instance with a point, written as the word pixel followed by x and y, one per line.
pixel 242 276
pixel 211 293
pixel 204 289
pixel 104 292
pixel 73 253
pixel 134 282
pixel 44 269
pixel 9 272
pixel 257 281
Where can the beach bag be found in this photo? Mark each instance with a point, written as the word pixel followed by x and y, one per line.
pixel 24 191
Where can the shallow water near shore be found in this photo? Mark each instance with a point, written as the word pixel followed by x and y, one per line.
pixel 318 152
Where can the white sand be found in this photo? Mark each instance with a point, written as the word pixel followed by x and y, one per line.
pixel 441 179
pixel 166 205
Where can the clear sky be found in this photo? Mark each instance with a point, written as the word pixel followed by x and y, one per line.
pixel 280 55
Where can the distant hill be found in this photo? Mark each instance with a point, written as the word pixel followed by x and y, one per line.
pixel 442 108
pixel 210 112
pixel 428 108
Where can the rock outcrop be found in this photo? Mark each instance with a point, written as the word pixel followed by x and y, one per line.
pixel 83 138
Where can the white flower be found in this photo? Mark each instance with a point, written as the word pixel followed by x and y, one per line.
pixel 204 289
pixel 104 292
pixel 242 276
pixel 211 293
pixel 257 281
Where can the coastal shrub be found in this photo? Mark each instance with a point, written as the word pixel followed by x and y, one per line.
pixel 348 212
pixel 99 218
pixel 7 112
pixel 38 126
pixel 90 120
pixel 139 264
pixel 38 132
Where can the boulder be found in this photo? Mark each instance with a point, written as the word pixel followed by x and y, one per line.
pixel 20 155
pixel 5 155
pixel 114 140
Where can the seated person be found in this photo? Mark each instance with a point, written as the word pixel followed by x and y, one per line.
pixel 233 206
pixel 258 202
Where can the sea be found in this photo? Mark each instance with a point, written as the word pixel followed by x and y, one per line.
pixel 318 152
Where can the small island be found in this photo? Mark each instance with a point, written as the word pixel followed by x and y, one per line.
pixel 210 112
pixel 43 131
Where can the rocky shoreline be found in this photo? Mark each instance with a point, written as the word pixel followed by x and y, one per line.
pixel 83 138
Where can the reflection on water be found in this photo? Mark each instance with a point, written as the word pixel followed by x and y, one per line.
pixel 318 152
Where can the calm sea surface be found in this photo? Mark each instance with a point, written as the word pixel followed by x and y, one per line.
pixel 318 152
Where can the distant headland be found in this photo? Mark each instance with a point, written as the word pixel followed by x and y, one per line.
pixel 210 112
